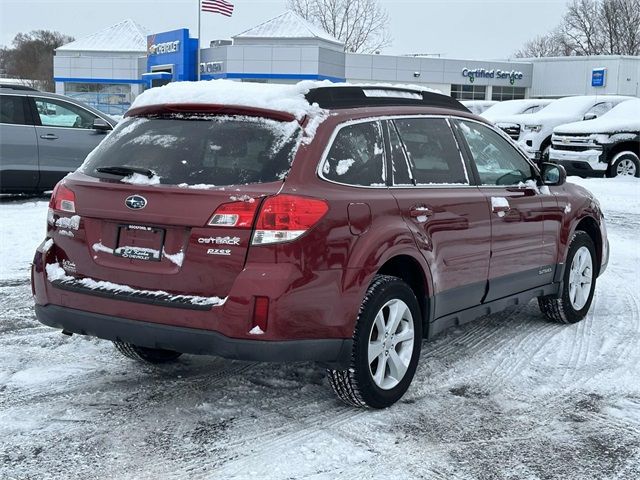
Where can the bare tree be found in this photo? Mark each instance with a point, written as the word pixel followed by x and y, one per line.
pixel 362 25
pixel 591 27
pixel 31 57
pixel 550 45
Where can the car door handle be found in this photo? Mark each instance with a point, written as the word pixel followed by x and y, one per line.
pixel 49 136
pixel 420 213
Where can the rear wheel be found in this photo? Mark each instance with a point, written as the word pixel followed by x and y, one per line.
pixel 578 284
pixel 625 164
pixel 144 354
pixel 386 347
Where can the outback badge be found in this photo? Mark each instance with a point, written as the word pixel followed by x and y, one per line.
pixel 135 202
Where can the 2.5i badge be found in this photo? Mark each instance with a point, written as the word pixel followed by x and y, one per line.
pixel 218 251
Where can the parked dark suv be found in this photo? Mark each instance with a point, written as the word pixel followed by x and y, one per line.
pixel 343 236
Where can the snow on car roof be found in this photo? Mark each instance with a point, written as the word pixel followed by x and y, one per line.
pixel 624 117
pixel 571 105
pixel 278 97
pixel 513 107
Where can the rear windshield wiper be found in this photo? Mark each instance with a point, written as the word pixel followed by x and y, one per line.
pixel 125 171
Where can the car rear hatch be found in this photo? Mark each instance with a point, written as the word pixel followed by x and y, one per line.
pixel 168 203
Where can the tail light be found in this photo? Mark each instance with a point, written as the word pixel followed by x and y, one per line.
pixel 63 199
pixel 286 217
pixel 235 214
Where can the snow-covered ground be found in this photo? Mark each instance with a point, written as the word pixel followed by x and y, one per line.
pixel 507 397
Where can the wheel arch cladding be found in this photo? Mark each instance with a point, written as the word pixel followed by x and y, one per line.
pixel 632 146
pixel 589 225
pixel 409 269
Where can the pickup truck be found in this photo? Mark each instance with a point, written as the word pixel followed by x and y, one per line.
pixel 537 128
pixel 609 145
pixel 505 114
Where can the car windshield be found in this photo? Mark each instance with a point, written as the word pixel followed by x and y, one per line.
pixel 198 149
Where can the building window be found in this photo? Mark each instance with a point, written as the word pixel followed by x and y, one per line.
pixel 110 98
pixel 507 93
pixel 469 92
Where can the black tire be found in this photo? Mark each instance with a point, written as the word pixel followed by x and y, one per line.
pixel 355 386
pixel 619 159
pixel 560 308
pixel 147 355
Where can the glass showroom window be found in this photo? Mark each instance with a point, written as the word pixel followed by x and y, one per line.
pixel 507 93
pixel 110 98
pixel 469 92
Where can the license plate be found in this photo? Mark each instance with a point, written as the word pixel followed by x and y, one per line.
pixel 140 242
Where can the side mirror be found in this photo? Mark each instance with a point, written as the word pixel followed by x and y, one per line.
pixel 101 125
pixel 553 174
pixel 590 116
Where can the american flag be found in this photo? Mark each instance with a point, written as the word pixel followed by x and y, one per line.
pixel 218 6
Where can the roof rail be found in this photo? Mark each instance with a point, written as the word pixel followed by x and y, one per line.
pixel 350 96
pixel 12 86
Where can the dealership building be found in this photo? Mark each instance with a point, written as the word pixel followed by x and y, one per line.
pixel 109 68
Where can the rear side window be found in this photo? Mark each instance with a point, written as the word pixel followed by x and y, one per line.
pixel 13 110
pixel 193 150
pixel 356 156
pixel 432 151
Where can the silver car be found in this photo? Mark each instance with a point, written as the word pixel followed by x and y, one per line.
pixel 44 136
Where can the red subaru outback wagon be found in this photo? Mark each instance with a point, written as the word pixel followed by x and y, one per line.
pixel 336 224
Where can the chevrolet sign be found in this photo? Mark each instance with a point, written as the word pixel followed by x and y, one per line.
pixel 167 47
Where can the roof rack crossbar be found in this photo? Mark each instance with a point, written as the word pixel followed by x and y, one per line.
pixel 349 96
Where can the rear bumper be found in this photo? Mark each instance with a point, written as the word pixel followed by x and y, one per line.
pixel 190 340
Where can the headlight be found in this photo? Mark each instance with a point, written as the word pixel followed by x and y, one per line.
pixel 533 128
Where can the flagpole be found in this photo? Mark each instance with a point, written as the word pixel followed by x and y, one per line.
pixel 199 38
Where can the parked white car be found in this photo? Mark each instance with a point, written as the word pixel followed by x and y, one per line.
pixel 609 145
pixel 503 113
pixel 537 128
pixel 478 106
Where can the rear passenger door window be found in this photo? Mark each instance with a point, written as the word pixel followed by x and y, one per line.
pixel 432 150
pixel 356 156
pixel 497 162
pixel 13 110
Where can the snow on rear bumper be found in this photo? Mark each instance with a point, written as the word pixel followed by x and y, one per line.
pixel 187 340
pixel 301 306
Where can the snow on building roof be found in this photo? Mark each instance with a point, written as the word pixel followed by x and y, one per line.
pixel 287 25
pixel 126 36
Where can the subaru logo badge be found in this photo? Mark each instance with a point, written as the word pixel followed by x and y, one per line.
pixel 135 202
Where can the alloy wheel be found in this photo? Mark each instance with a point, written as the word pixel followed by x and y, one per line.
pixel 580 278
pixel 391 344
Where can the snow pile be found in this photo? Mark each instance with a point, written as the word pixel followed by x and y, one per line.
pixel 72 223
pixel 140 179
pixel 624 117
pixel 56 273
pixel 499 203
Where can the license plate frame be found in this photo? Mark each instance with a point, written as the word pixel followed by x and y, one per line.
pixel 138 252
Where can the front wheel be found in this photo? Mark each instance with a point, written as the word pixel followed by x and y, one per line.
pixel 145 354
pixel 386 346
pixel 625 164
pixel 578 284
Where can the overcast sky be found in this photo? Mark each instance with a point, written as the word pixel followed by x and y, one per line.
pixel 468 29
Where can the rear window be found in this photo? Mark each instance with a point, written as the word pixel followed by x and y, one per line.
pixel 196 149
